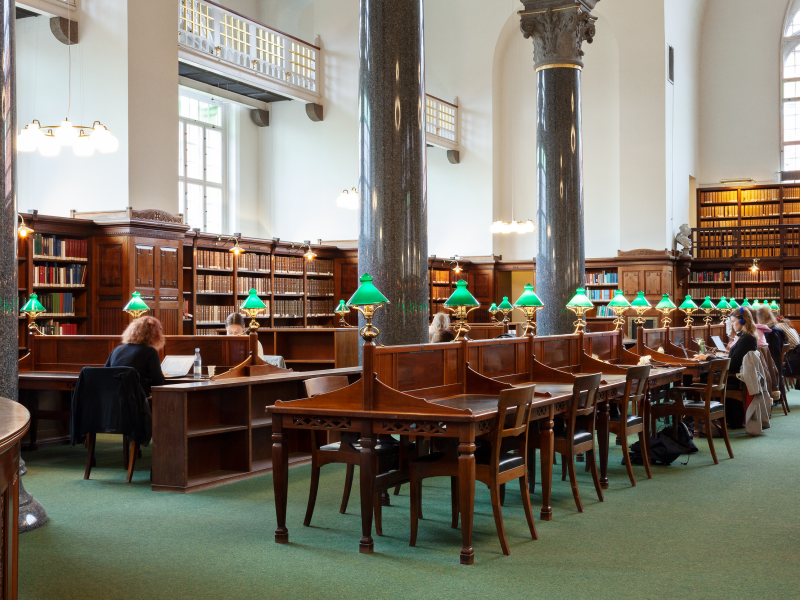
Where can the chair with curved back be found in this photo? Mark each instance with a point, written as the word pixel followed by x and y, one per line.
pixel 635 383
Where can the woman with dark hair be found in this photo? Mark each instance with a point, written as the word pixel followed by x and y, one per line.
pixel 141 341
pixel 234 325
pixel 747 341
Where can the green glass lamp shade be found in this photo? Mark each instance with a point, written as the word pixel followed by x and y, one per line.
pixel 136 303
pixel 579 300
pixel 367 294
pixel 733 303
pixel 461 297
pixel 707 304
pixel 666 304
pixel 688 303
pixel 640 301
pixel 342 308
pixel 530 299
pixel 253 302
pixel 33 305
pixel 746 303
pixel 756 304
pixel 506 305
pixel 723 304
pixel 774 305
pixel 493 308
pixel 619 301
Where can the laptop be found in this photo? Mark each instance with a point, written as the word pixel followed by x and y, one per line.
pixel 177 366
pixel 718 344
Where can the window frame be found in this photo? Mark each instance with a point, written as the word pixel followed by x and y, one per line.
pixel 186 180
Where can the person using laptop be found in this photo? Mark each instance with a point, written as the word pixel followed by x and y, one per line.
pixel 234 325
pixel 141 341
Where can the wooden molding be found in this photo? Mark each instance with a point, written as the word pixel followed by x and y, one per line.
pixel 314 112
pixel 64 30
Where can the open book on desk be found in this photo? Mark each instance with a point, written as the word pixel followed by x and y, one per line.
pixel 177 366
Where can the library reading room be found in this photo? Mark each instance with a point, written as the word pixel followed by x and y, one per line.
pixel 523 276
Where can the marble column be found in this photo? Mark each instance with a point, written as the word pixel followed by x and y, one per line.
pixel 393 239
pixel 558 29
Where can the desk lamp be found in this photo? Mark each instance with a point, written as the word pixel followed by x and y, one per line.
pixel 774 307
pixel 707 307
pixel 459 304
pixel 506 308
pixel 723 307
pixel 33 308
pixel 367 300
pixel 665 307
pixel 136 307
pixel 580 304
pixel 251 307
pixel 493 310
pixel 529 303
pixel 733 304
pixel 688 307
pixel 342 311
pixel 618 305
pixel 641 305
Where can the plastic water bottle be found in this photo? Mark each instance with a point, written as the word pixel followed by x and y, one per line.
pixel 702 344
pixel 198 364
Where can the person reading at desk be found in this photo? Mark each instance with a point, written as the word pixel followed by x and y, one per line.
pixel 439 329
pixel 141 341
pixel 234 325
pixel 746 341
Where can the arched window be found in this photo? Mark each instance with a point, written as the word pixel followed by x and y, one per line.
pixel 790 93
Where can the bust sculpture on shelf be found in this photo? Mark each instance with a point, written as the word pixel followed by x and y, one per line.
pixel 684 238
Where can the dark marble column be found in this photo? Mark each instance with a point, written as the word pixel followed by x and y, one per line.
pixel 558 29
pixel 393 241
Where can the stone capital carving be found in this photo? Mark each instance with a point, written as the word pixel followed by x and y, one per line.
pixel 558 30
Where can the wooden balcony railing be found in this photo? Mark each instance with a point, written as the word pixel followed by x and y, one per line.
pixel 746 242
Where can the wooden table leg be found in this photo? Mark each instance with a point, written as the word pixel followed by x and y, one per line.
pixel 646 409
pixel 280 473
pixel 466 498
pixel 366 469
pixel 602 440
pixel 546 452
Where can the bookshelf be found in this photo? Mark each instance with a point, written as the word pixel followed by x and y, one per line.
pixel 601 284
pixel 441 281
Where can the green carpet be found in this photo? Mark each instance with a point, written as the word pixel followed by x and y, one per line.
pixel 697 530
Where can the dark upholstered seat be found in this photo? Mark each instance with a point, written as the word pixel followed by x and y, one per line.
pixel 714 406
pixel 382 447
pixel 581 436
pixel 632 420
pixel 507 460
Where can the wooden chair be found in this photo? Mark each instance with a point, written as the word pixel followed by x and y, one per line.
pixel 494 465
pixel 707 403
pixel 624 424
pixel 783 382
pixel 345 452
pixel 131 450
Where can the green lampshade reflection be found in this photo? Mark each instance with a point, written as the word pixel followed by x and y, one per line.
pixel 528 298
pixel 33 305
pixel 136 303
pixel 756 304
pixel 666 304
pixel 619 301
pixel 774 305
pixel 640 301
pixel 253 302
pixel 707 304
pixel 579 300
pixel 505 304
pixel 733 303
pixel 493 308
pixel 342 308
pixel 688 303
pixel 367 294
pixel 746 303
pixel 723 304
pixel 461 297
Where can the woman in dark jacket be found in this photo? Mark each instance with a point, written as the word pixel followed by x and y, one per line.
pixel 746 341
pixel 141 342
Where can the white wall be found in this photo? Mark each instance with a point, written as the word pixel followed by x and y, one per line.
pixel 740 90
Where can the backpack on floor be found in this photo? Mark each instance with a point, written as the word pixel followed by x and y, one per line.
pixel 665 449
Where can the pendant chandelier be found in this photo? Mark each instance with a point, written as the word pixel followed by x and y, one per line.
pixel 513 227
pixel 348 200
pixel 48 139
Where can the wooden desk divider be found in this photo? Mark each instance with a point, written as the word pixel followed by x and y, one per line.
pixel 253 365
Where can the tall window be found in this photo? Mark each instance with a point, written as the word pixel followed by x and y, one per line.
pixel 201 164
pixel 790 113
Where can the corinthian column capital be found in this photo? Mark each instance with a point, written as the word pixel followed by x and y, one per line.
pixel 558 29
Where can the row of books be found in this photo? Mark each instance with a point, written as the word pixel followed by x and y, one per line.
pixel 289 308
pixel 604 312
pixel 719 197
pixel 759 252
pixel 599 294
pixel 320 267
pixel 791 309
pixel 759 210
pixel 54 328
pixel 759 222
pixel 58 304
pixel 600 278
pixel 791 292
pixel 250 261
pixel 793 192
pixel 289 264
pixel 440 293
pixel 220 284
pixel 320 287
pixel 791 275
pixel 262 285
pixel 762 194
pixel 758 292
pixel 757 277
pixel 287 285
pixel 719 211
pixel 714 253
pixel 62 275
pixel 706 276
pixel 791 207
pixel 791 220
pixel 212 259
pixel 212 314
pixel 698 293
pixel 438 276
pixel 320 308
pixel 50 245
pixel 723 223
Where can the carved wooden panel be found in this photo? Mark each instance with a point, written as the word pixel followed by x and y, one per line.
pixel 169 321
pixel 110 265
pixel 415 372
pixel 482 285
pixel 168 267
pixel 145 266
pixel 109 321
pixel 349 279
pixel 498 360
pixel 652 283
pixel 630 283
